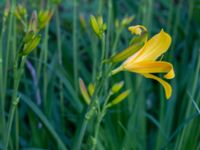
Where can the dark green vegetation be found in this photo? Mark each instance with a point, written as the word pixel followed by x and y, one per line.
pixel 51 108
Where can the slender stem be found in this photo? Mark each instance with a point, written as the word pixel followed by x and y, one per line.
pixel 15 100
pixel 45 74
pixel 103 48
pixel 10 120
pixel 88 114
pixel 108 37
pixel 75 50
pixel 116 41
pixel 99 120
pixel 8 45
pixel 103 53
pixel 100 8
pixel 16 129
pixel 95 58
pixel 59 46
pixel 2 101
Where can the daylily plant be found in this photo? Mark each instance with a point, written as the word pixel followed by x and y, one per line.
pixel 144 61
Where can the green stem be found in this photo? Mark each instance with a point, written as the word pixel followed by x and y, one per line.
pixel 59 46
pixel 17 76
pixel 116 41
pixel 95 58
pixel 109 28
pixel 2 102
pixel 88 114
pixel 8 45
pixel 99 120
pixel 10 120
pixel 45 74
pixel 100 8
pixel 16 129
pixel 103 53
pixel 75 50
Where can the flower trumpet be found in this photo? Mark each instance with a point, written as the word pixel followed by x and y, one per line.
pixel 144 61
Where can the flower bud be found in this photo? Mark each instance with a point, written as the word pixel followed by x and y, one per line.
pixel 91 88
pixel 44 18
pixel 97 25
pixel 116 87
pixel 126 53
pixel 119 98
pixel 30 45
pixel 84 91
pixel 127 20
pixel 33 23
pixel 94 24
pixel 138 29
pixel 20 12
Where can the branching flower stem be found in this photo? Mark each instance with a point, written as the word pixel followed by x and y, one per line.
pixel 17 77
pixel 91 109
pixel 100 116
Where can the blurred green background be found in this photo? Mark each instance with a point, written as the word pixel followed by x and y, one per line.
pixel 51 107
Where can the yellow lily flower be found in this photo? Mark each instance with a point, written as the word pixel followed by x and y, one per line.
pixel 144 61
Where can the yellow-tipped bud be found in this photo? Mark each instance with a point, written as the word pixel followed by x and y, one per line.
pixel 94 24
pixel 119 98
pixel 117 87
pixel 20 12
pixel 97 25
pixel 127 20
pixel 29 36
pixel 33 23
pixel 91 88
pixel 84 91
pixel 44 18
pixel 31 44
pixel 100 20
pixel 138 29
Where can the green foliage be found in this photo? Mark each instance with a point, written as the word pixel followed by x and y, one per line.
pixel 51 111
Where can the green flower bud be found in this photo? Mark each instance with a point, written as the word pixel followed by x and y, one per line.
pixel 30 45
pixel 97 25
pixel 44 18
pixel 119 98
pixel 84 91
pixel 33 23
pixel 116 87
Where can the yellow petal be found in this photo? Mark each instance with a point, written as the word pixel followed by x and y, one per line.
pixel 167 86
pixel 152 67
pixel 152 49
